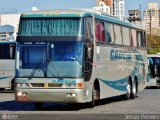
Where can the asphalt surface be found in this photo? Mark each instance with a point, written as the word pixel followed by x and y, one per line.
pixel 147 102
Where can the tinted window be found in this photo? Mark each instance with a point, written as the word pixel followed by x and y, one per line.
pixel 99 31
pixel 89 27
pixel 7 51
pixel 118 35
pixel 126 39
pixel 139 39
pixel 108 32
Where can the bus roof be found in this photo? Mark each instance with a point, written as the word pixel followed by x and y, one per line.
pixel 80 13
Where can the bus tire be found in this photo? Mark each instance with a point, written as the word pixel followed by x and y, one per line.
pixel 94 96
pixel 38 105
pixel 129 88
pixel 134 89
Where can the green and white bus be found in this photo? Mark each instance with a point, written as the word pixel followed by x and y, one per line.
pixel 107 57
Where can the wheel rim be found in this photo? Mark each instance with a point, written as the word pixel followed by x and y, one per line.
pixel 128 89
pixel 134 88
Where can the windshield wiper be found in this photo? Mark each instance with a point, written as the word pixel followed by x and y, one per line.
pixel 34 70
pixel 56 70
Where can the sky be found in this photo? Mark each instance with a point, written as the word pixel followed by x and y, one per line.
pixel 20 6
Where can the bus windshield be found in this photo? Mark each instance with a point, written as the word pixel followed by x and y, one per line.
pixel 50 26
pixel 50 59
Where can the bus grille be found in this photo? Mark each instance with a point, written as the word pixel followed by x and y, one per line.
pixel 42 85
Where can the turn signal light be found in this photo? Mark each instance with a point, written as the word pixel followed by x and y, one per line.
pixel 79 85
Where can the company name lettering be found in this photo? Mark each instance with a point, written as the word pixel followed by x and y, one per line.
pixel 120 55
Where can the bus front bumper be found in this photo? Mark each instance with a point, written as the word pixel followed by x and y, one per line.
pixel 51 95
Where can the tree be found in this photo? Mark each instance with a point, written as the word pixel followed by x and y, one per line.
pixel 153 44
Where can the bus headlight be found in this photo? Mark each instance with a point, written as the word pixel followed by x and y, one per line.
pixel 19 94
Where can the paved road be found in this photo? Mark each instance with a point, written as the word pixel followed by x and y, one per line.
pixel 147 102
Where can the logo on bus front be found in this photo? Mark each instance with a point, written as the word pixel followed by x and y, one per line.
pixel 64 81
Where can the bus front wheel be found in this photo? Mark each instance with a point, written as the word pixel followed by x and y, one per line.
pixel 94 97
pixel 129 89
pixel 134 89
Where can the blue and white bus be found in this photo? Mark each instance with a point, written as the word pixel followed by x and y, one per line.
pixel 153 70
pixel 78 56
pixel 7 64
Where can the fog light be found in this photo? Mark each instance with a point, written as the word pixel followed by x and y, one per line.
pixel 68 94
pixel 74 94
pixel 71 94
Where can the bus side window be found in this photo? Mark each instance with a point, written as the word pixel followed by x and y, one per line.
pixel 112 34
pixel 139 39
pixel 107 33
pixel 118 35
pixel 144 39
pixel 12 51
pixel 89 27
pixel 126 32
pixel 7 51
pixel 133 38
pixel 99 31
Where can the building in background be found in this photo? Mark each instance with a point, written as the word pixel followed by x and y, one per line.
pixel 134 16
pixel 151 20
pixel 106 2
pixel 9 26
pixel 103 7
pixel 119 8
